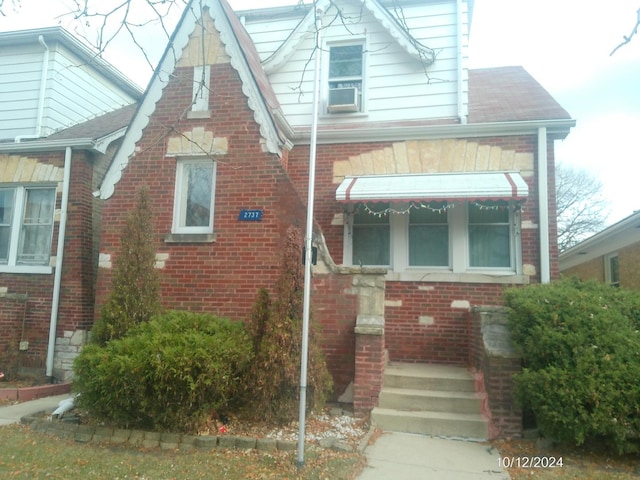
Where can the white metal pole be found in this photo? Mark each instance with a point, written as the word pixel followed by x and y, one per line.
pixel 308 244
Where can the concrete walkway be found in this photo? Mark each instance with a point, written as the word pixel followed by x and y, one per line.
pixel 13 413
pixel 406 456
pixel 398 456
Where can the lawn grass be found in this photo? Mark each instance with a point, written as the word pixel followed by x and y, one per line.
pixel 25 454
pixel 584 463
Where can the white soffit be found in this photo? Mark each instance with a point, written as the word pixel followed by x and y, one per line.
pixel 433 187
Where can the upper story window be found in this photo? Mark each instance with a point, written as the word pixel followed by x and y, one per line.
pixel 201 88
pixel 26 227
pixel 194 196
pixel 466 237
pixel 346 78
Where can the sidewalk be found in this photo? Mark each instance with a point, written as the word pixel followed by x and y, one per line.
pixel 406 456
pixel 13 413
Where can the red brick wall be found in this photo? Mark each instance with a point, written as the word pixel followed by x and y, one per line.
pixel 335 307
pixel 79 269
pixel 444 337
pixel 78 278
pixel 222 277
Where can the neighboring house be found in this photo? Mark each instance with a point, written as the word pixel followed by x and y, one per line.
pixel 611 256
pixel 62 112
pixel 434 183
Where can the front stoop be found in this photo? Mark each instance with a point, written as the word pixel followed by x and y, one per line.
pixel 436 400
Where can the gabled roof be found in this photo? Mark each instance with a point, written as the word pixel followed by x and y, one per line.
pixel 308 24
pixel 95 134
pixel 244 58
pixel 622 234
pixel 509 94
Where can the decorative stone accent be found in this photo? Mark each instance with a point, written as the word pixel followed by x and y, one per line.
pixel 434 156
pixel 197 142
pixel 18 169
pixel 161 259
pixel 214 51
pixel 461 304
pixel 104 260
pixel 67 349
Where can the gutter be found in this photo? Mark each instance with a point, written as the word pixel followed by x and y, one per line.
pixel 389 132
pixel 43 91
pixel 543 206
pixel 99 145
pixel 55 300
pixel 460 92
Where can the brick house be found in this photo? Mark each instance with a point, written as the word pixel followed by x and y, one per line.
pixel 62 112
pixel 434 183
pixel 611 255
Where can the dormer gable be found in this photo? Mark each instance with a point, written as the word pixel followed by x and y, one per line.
pixel 307 27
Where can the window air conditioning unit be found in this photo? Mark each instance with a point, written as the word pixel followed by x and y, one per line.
pixel 343 100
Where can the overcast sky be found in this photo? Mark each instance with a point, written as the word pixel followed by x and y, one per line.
pixel 564 44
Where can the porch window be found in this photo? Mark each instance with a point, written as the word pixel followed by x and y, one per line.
pixel 429 236
pixel 461 237
pixel 194 196
pixel 489 235
pixel 371 236
pixel 26 225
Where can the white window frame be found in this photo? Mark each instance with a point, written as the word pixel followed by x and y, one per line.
pixel 13 264
pixel 179 203
pixel 459 256
pixel 608 274
pixel 362 79
pixel 201 87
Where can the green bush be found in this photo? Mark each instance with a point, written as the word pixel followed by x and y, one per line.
pixel 170 373
pixel 580 343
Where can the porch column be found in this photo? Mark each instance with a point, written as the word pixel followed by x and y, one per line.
pixel 370 356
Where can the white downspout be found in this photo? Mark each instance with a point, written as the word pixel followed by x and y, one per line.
pixel 460 72
pixel 55 300
pixel 543 206
pixel 43 91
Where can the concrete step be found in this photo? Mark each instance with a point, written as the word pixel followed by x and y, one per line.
pixel 470 426
pixel 430 400
pixel 416 376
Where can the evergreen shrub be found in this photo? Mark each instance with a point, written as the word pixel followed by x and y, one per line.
pixel 276 327
pixel 169 374
pixel 135 291
pixel 580 343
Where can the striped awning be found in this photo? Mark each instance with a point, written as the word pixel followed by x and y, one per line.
pixel 433 187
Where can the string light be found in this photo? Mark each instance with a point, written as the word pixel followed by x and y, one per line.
pixel 440 208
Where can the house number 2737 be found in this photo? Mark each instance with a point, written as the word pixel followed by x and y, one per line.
pixel 250 215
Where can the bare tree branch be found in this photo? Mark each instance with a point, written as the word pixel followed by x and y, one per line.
pixel 581 206
pixel 628 38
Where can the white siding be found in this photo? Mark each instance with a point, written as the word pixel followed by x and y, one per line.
pixel 78 93
pixel 397 86
pixel 20 73
pixel 74 92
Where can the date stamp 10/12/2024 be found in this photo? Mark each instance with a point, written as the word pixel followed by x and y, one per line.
pixel 530 462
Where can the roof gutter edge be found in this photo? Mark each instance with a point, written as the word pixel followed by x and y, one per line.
pixel 559 127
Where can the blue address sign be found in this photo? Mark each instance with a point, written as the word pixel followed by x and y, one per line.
pixel 250 215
